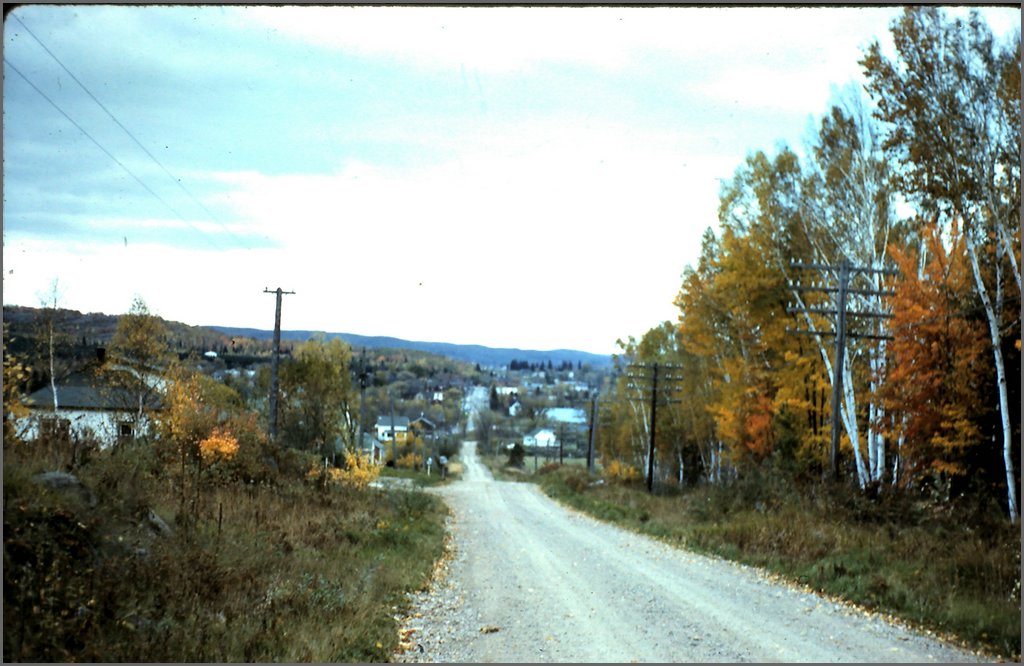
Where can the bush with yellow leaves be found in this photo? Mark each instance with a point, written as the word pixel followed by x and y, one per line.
pixel 220 445
pixel 359 471
pixel 411 460
pixel 622 472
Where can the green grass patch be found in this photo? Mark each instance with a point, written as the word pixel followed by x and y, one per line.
pixel 952 569
pixel 290 571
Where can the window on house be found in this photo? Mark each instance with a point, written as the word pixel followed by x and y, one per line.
pixel 52 428
pixel 125 430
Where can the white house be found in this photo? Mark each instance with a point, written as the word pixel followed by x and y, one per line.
pixel 401 428
pixel 515 409
pixel 108 414
pixel 542 439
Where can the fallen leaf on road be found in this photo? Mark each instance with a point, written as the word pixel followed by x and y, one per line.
pixel 488 629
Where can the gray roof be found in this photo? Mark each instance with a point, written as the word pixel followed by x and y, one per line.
pixel 370 442
pixel 90 397
pixel 425 421
pixel 400 421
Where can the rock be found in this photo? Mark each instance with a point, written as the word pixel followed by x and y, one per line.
pixel 158 524
pixel 65 481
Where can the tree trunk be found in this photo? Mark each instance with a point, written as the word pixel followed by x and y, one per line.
pixel 997 351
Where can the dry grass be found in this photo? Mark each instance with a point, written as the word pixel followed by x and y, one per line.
pixel 288 571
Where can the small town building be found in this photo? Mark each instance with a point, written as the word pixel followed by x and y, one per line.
pixel 89 406
pixel 400 427
pixel 542 439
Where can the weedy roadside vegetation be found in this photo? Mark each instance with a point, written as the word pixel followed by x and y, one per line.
pixel 952 568
pixel 293 567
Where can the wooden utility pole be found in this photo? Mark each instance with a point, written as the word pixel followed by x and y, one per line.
pixel 661 394
pixel 592 435
pixel 274 360
pixel 843 271
pixel 654 420
pixel 394 442
pixel 561 442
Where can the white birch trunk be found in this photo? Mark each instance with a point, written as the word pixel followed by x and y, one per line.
pixel 53 375
pixel 849 415
pixel 1004 408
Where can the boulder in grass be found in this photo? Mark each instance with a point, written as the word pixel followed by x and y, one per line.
pixel 66 482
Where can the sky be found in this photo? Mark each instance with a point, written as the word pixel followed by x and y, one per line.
pixel 532 177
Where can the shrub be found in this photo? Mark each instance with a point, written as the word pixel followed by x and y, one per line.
pixel 622 472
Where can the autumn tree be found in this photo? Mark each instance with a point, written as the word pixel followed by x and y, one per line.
pixel 139 354
pixel 934 408
pixel 733 310
pixel 950 105
pixel 319 403
pixel 15 375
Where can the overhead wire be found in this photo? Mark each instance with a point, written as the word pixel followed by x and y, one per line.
pixel 108 153
pixel 110 114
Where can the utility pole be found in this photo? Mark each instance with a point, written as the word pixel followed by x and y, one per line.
pixel 274 360
pixel 669 387
pixel 362 376
pixel 592 435
pixel 843 271
pixel 394 442
pixel 561 442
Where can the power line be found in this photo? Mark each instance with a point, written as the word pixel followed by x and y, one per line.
pixel 109 154
pixel 138 143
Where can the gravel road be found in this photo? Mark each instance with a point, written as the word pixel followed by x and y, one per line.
pixel 528 580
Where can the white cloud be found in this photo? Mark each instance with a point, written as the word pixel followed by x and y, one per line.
pixel 514 242
pixel 508 38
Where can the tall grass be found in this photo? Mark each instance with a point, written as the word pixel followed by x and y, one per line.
pixel 954 569
pixel 288 571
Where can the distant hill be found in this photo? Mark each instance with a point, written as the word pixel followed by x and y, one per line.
pixel 88 330
pixel 485 356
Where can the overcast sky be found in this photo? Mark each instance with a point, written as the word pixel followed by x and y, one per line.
pixel 530 177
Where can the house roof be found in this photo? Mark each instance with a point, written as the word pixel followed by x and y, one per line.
pixel 423 421
pixel 370 442
pixel 89 397
pixel 385 421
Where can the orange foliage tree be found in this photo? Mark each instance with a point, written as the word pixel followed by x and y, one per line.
pixel 938 358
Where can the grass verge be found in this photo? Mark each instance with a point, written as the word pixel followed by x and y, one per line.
pixel 951 569
pixel 290 571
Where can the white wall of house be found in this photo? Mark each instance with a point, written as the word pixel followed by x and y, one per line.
pixel 543 438
pixel 103 425
pixel 384 433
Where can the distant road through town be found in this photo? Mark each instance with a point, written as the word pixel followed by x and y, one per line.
pixel 533 581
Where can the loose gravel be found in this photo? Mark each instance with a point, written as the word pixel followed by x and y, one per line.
pixel 527 580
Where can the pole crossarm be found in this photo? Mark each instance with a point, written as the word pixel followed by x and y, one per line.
pixel 834 290
pixel 849 267
pixel 849 313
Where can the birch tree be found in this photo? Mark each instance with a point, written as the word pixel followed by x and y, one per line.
pixel 952 127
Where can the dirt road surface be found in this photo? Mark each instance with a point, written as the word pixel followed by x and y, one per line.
pixel 532 581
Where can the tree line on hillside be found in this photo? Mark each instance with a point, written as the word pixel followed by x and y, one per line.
pixel 327 394
pixel 918 183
